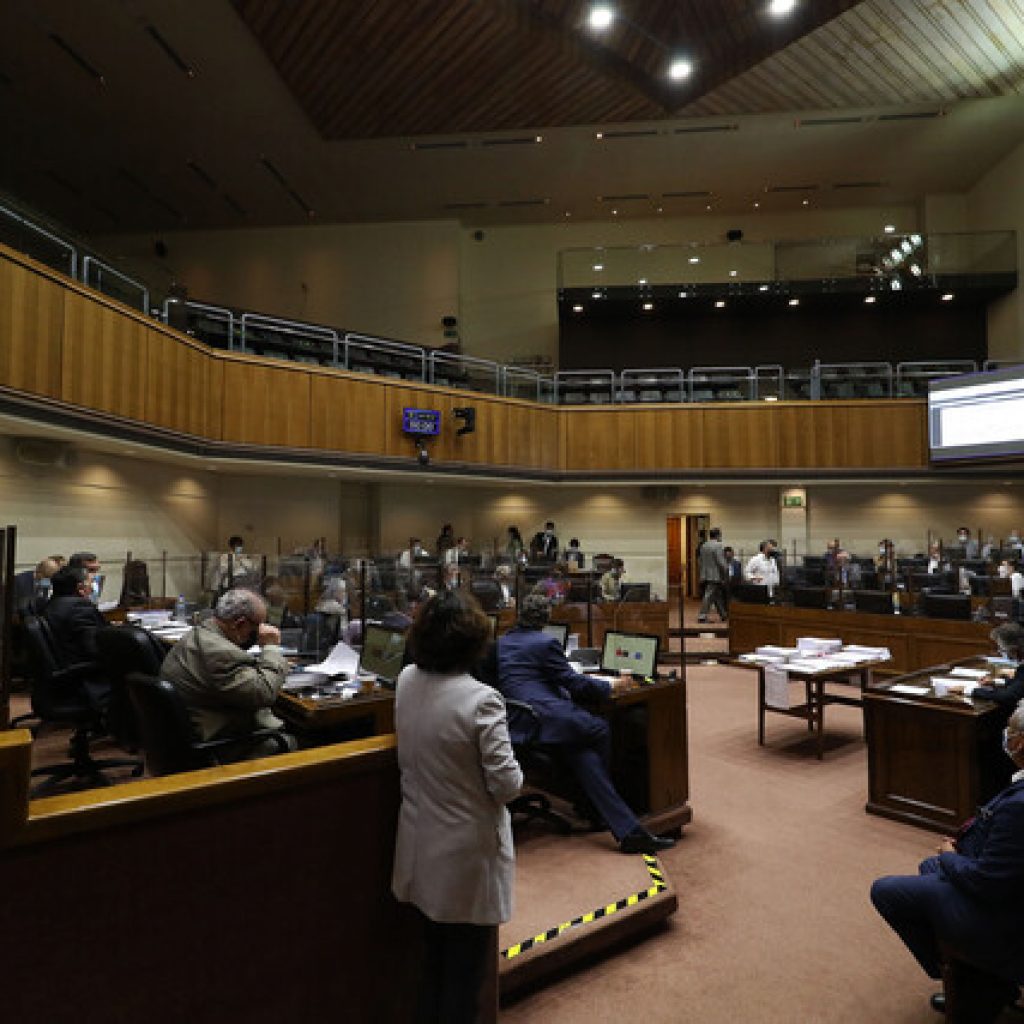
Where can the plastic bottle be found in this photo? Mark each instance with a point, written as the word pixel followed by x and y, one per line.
pixel 896 602
pixel 180 609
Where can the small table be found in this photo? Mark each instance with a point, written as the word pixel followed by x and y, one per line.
pixel 323 715
pixel 813 709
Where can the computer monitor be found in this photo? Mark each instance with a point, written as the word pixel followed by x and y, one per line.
pixel 810 597
pixel 383 653
pixel 559 630
pixel 935 582
pixel 751 593
pixel 975 565
pixel 877 602
pixel 629 652
pixel 636 592
pixel 946 606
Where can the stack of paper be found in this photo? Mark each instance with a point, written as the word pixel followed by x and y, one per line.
pixel 811 645
pixel 961 672
pixel 945 686
pixel 869 653
pixel 771 651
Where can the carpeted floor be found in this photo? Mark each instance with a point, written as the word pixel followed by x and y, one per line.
pixel 774 922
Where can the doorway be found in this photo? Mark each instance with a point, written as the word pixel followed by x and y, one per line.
pixel 684 535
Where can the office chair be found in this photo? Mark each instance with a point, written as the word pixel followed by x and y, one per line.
pixel 124 649
pixel 168 740
pixel 487 592
pixel 59 697
pixel 533 806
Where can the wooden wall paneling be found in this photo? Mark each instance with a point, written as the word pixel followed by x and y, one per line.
pixel 104 358
pixel 31 330
pixel 488 445
pixel 806 435
pixel 600 440
pixel 526 428
pixel 739 437
pixel 348 415
pixel 881 434
pixel 215 398
pixel 177 385
pixel 669 438
pixel 265 404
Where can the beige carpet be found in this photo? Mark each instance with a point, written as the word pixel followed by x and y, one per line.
pixel 774 921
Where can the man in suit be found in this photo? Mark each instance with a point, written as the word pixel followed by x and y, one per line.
pixel 228 691
pixel 532 668
pixel 544 546
pixel 713 574
pixel 847 572
pixel 968 898
pixel 33 583
pixel 74 621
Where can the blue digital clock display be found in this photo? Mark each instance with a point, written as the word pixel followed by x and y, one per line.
pixel 421 422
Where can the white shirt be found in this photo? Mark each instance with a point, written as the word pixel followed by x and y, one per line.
pixel 762 569
pixel 1016 583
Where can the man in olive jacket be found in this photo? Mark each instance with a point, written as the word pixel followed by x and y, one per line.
pixel 228 691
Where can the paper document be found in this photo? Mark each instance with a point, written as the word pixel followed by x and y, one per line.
pixel 968 673
pixel 341 659
pixel 776 687
pixel 915 691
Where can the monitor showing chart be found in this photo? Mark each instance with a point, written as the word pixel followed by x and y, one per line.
pixel 383 652
pixel 630 652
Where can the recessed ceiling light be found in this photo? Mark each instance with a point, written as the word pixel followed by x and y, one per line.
pixel 757 206
pixel 780 8
pixel 871 299
pixel 948 297
pixel 890 229
pixel 733 273
pixel 680 69
pixel 599 267
pixel 807 202
pixel 683 295
pixel 794 302
pixel 708 207
pixel 598 135
pixel 615 213
pixel 577 309
pixel 763 288
pixel 595 295
pixel 695 259
pixel 916 270
pixel 568 214
pixel 659 209
pixel 720 304
pixel 601 16
pixel 642 280
pixel 539 138
pixel 896 285
pixel 648 306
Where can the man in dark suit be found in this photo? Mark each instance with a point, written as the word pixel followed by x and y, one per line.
pixel 968 899
pixel 544 546
pixel 74 621
pixel 533 668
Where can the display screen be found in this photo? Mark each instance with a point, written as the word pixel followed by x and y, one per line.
pixel 422 422
pixel 629 652
pixel 559 630
pixel 977 416
pixel 383 652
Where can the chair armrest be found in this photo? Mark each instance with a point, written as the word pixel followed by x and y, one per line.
pixel 277 736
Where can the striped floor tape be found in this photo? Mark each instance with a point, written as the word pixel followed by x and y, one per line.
pixel 657 885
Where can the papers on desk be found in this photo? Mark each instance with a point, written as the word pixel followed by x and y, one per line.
pixel 776 687
pixel 1000 662
pixel 172 632
pixel 976 674
pixel 771 652
pixel 913 691
pixel 818 645
pixel 342 660
pixel 952 686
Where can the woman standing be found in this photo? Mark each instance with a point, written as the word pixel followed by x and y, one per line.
pixel 453 855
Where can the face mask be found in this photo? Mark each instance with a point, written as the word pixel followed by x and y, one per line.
pixel 962 537
pixel 237 549
pixel 1004 571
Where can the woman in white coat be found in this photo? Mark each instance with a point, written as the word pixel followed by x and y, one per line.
pixel 453 855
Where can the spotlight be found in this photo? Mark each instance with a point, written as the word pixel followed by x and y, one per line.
pixel 948 297
pixel 780 8
pixel 680 69
pixel 601 16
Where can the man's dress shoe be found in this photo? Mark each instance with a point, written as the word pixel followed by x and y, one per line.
pixel 641 841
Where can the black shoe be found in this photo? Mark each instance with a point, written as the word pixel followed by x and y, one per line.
pixel 938 1002
pixel 641 841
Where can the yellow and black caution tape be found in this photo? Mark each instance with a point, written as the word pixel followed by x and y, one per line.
pixel 657 885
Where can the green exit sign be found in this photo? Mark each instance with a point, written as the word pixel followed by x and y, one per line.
pixel 792 501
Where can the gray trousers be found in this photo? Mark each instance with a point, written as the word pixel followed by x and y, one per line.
pixel 714 593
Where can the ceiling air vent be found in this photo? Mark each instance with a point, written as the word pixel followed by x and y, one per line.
pixel 918 115
pixel 695 194
pixel 827 122
pixel 522 140
pixel 464 206
pixel 857 184
pixel 706 129
pixel 452 144
pixel 624 198
pixel 523 202
pixel 791 188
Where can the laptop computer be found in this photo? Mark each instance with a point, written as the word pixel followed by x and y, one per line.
pixel 383 654
pixel 636 653
pixel 559 630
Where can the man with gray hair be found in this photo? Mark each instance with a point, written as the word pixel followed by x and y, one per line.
pixel 967 900
pixel 228 691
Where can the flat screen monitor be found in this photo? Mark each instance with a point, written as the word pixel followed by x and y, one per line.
pixel 946 606
pixel 629 652
pixel 383 652
pixel 937 582
pixel 877 602
pixel 559 630
pixel 636 592
pixel 977 416
pixel 810 597
pixel 751 593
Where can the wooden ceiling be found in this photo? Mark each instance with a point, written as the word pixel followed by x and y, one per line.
pixel 377 68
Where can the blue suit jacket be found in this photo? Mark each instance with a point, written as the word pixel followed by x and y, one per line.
pixel 986 876
pixel 1005 696
pixel 533 668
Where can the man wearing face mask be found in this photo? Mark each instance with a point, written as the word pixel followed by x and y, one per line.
pixel 228 691
pixel 967 542
pixel 235 567
pixel 74 620
pixel 91 564
pixel 968 898
pixel 544 546
pixel 1009 640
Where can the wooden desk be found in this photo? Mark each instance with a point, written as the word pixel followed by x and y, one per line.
pixel 650 764
pixel 650 617
pixel 914 641
pixel 817 698
pixel 931 760
pixel 326 716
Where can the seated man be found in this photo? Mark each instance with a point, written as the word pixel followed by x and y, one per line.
pixel 532 668
pixel 229 692
pixel 74 620
pixel 32 587
pixel 968 900
pixel 611 581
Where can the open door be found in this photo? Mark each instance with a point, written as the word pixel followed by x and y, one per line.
pixel 684 535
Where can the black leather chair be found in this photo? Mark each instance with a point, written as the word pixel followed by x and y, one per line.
pixel 59 698
pixel 124 649
pixel 536 763
pixel 168 739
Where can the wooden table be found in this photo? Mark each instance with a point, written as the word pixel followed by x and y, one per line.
pixel 812 711
pixel 914 641
pixel 931 760
pixel 649 617
pixel 329 715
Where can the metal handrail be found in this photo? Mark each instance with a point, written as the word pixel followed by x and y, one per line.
pixel 769 371
pixel 289 327
pixel 721 374
pixel 213 311
pixel 594 376
pixel 39 230
pixel 509 373
pixel 876 370
pixel 90 261
pixel 437 357
pixel 658 376
pixel 396 347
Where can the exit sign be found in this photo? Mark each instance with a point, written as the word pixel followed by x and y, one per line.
pixel 792 501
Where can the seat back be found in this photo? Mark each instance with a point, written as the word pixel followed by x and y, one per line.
pixel 124 649
pixel 165 729
pixel 54 698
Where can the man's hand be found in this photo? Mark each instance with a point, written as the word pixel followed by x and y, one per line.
pixel 946 846
pixel 268 635
pixel 621 682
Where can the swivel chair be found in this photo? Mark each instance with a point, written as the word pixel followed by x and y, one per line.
pixel 168 739
pixel 124 649
pixel 59 697
pixel 535 805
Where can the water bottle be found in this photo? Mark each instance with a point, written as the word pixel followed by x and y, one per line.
pixel 181 609
pixel 896 602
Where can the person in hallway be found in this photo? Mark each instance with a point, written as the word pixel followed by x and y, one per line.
pixel 74 621
pixel 454 856
pixel 544 546
pixel 936 562
pixel 611 581
pixel 714 573
pixel 445 540
pixel 532 668
pixel 1009 569
pixel 228 691
pixel 762 567
pixel 967 899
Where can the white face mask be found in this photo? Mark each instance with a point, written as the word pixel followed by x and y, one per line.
pixel 1004 571
pixel 237 549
